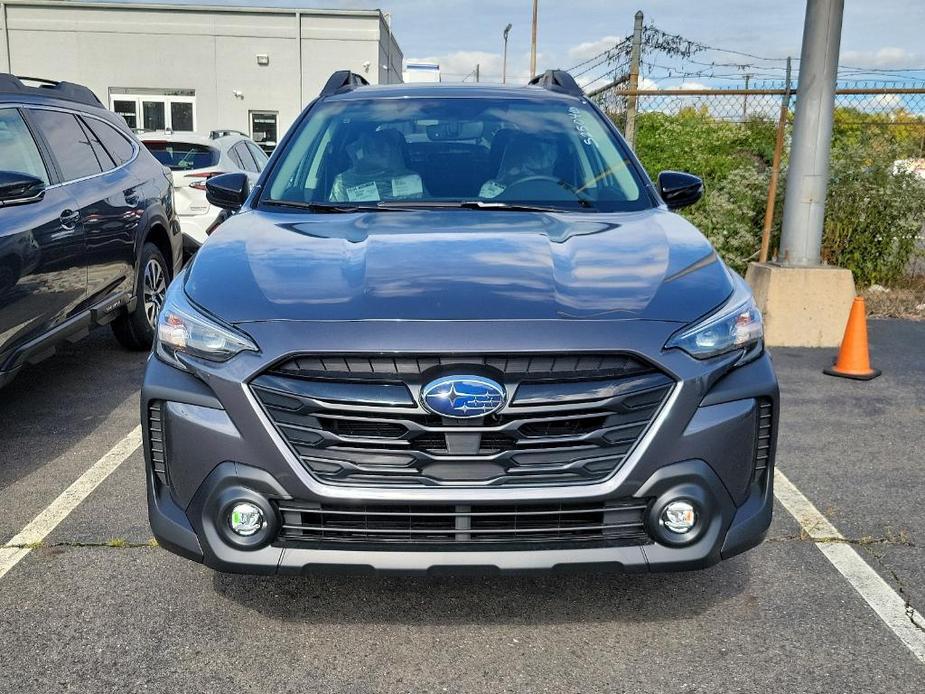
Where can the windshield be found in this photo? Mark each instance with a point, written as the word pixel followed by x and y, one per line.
pixel 440 151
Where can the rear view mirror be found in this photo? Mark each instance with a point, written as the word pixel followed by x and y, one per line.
pixel 19 188
pixel 679 189
pixel 228 191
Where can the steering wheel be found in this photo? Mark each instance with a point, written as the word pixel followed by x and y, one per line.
pixel 528 179
pixel 560 187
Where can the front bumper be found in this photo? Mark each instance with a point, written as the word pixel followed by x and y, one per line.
pixel 218 447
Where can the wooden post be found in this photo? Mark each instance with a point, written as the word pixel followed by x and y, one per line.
pixel 775 171
pixel 629 130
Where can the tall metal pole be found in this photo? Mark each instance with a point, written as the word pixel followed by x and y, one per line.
pixel 476 72
pixel 808 177
pixel 507 30
pixel 775 171
pixel 745 100
pixel 533 42
pixel 629 131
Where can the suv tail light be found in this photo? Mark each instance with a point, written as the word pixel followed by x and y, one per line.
pixel 201 178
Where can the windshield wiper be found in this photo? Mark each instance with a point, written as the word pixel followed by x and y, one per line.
pixel 326 207
pixel 466 204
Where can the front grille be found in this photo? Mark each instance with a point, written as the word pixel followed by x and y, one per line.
pixel 536 366
pixel 157 439
pixel 357 420
pixel 459 527
pixel 763 439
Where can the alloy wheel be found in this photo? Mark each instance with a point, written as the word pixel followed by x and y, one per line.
pixel 155 289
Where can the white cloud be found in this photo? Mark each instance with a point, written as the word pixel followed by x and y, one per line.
pixel 454 67
pixel 692 85
pixel 886 57
pixel 586 50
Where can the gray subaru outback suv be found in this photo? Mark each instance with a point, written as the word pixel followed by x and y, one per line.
pixel 458 328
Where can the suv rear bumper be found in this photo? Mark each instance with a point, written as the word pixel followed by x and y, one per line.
pixel 214 454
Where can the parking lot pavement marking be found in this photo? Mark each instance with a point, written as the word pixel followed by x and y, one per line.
pixel 39 527
pixel 901 618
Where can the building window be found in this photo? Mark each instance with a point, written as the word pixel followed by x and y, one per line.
pixel 128 109
pixel 265 129
pixel 152 109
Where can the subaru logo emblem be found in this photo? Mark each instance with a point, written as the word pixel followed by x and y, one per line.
pixel 463 397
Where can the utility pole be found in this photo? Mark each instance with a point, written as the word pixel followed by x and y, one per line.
pixel 808 177
pixel 507 30
pixel 533 42
pixel 745 99
pixel 629 131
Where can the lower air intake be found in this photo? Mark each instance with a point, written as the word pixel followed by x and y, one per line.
pixel 456 526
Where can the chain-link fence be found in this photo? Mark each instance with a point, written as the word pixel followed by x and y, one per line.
pixel 876 199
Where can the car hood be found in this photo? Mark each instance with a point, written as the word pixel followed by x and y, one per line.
pixel 457 265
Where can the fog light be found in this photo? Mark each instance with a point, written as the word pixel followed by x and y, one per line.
pixel 246 519
pixel 678 517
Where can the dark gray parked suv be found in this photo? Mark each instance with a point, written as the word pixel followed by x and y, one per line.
pixel 88 233
pixel 458 328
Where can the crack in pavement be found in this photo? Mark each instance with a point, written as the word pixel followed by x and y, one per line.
pixel 867 543
pixel 900 541
pixel 109 544
pixel 912 613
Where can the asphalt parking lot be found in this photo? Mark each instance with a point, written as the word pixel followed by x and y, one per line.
pixel 97 608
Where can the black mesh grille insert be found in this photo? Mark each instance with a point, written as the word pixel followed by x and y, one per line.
pixel 763 440
pixel 358 420
pixel 535 366
pixel 157 439
pixel 455 526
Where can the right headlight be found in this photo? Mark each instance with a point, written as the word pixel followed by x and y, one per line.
pixel 183 329
pixel 737 325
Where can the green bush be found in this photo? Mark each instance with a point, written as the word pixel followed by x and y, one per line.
pixel 873 214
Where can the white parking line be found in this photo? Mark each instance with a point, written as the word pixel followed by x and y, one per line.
pixel 40 526
pixel 885 601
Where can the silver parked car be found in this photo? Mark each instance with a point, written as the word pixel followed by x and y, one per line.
pixel 194 159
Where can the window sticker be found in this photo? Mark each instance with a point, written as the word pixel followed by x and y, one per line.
pixel 578 122
pixel 491 189
pixel 407 186
pixel 363 193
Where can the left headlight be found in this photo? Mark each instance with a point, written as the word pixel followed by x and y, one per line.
pixel 183 329
pixel 737 325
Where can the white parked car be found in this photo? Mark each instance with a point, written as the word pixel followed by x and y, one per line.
pixel 195 158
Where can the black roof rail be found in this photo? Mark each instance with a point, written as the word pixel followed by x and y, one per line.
pixel 60 90
pixel 558 81
pixel 343 79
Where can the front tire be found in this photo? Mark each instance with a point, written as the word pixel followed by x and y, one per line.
pixel 136 330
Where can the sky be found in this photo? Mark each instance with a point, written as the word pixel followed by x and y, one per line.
pixel 881 35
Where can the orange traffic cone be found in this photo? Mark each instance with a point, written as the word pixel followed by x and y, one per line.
pixel 853 358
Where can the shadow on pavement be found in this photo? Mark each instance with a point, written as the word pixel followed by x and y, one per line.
pixel 453 600
pixel 52 406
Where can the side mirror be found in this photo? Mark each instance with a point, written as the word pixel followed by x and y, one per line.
pixel 228 191
pixel 679 189
pixel 19 188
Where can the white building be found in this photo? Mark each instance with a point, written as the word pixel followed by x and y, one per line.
pixel 421 72
pixel 199 68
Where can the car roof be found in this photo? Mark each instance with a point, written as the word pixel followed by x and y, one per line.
pixel 450 90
